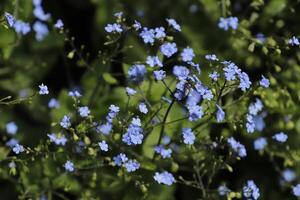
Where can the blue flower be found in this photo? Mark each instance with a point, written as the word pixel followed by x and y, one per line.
pixel 181 72
pixel 195 112
pixel 250 124
pixel 214 76
pixel 220 114
pixel 41 30
pixel 130 91
pixel 10 19
pixel 12 142
pixel 120 159
pixel 113 112
pixel 118 14
pixel 18 149
pixel 43 89
pixel 11 128
pixel 153 61
pixel 188 136
pixel 294 41
pixel 132 165
pixel 211 57
pixel 137 25
pixel 164 178
pixel 280 137
pixel 143 108
pixel 74 93
pixel 104 128
pixel 231 70
pixel 59 24
pixel 69 166
pixel 113 28
pixel 237 147
pixel 62 140
pixel 84 111
pixel 53 103
pixel 159 75
pixel 66 122
pixel 250 190
pixel 134 134
pixel 245 82
pixel 229 22
pixel 39 13
pixel 148 35
pixel 136 73
pixel 187 54
pixel 168 49
pixel 260 143
pixel 296 190
pixel 164 152
pixel 194 98
pixel 264 82
pixel 160 32
pixel 174 24
pixel 256 107
pixel 289 175
pixel 103 145
pixel 21 27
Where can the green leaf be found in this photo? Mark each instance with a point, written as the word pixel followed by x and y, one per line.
pixel 109 78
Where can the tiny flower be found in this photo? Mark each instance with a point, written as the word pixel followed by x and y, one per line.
pixel 164 152
pixel 134 134
pixel 165 178
pixel 148 35
pixel 18 149
pixel 113 28
pixel 260 143
pixel 69 166
pixel 10 19
pixel 264 82
pixel 62 140
pixel 11 128
pixel 229 22
pixel 103 145
pixel 118 14
pixel 66 122
pixel 21 27
pixel 74 93
pixel 40 14
pixel 195 112
pixel 43 89
pixel 188 136
pixel 137 25
pixel 120 159
pixel 280 137
pixel 220 114
pixel 187 54
pixel 214 76
pixel 153 61
pixel 132 165
pixel 12 142
pixel 41 30
pixel 237 147
pixel 181 72
pixel 104 128
pixel 130 91
pixel 168 49
pixel 296 190
pixel 245 82
pixel 160 32
pixel 143 108
pixel 159 75
pixel 289 175
pixel 84 111
pixel 251 191
pixel 211 57
pixel 136 73
pixel 53 103
pixel 59 24
pixel 174 24
pixel 294 41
